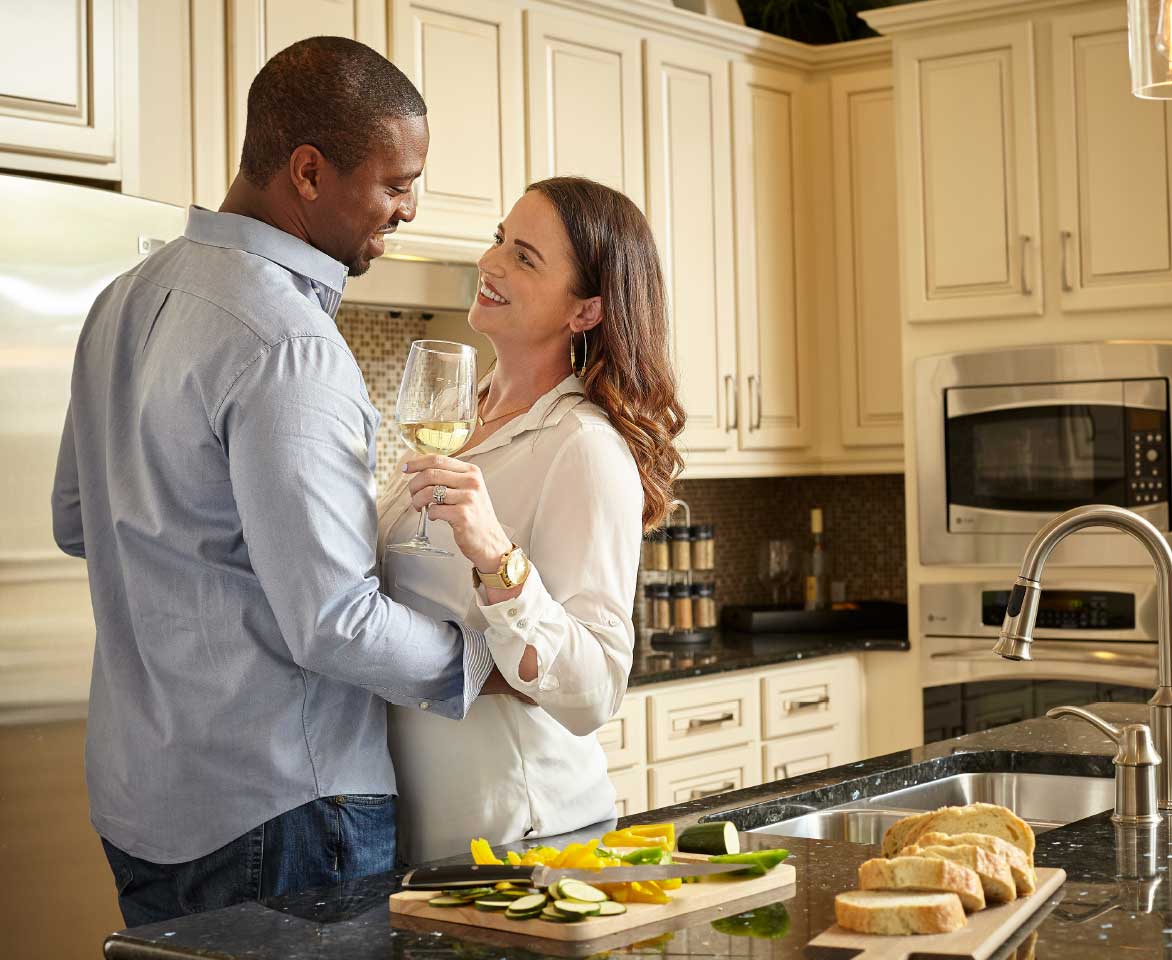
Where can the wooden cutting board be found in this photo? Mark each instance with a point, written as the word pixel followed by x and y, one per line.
pixel 986 930
pixel 689 898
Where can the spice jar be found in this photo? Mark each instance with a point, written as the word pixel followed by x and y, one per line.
pixel 681 605
pixel 704 605
pixel 681 547
pixel 659 598
pixel 703 546
pixel 656 553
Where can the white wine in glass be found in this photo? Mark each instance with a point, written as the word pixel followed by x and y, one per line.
pixel 435 414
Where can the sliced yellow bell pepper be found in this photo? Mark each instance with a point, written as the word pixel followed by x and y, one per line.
pixel 643 835
pixel 647 891
pixel 513 858
pixel 482 852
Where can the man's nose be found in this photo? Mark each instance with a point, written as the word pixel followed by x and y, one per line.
pixel 406 211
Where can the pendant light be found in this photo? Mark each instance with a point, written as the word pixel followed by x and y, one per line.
pixel 1149 38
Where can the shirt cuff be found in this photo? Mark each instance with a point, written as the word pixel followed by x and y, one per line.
pixel 478 664
pixel 515 624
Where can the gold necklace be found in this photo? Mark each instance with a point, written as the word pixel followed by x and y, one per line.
pixel 482 422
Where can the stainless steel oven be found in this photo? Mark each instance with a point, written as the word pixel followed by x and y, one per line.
pixel 1008 439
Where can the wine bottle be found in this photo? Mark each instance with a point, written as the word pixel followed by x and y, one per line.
pixel 818 577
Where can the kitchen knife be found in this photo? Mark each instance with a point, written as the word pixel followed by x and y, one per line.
pixel 481 875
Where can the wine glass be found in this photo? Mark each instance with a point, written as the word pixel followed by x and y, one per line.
pixel 435 413
pixel 776 566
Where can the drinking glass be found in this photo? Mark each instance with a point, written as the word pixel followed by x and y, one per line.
pixel 777 567
pixel 435 413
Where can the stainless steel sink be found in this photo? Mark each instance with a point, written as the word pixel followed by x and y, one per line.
pixel 1045 801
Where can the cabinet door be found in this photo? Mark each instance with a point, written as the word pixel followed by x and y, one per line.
pixel 968 157
pixel 869 321
pixel 624 737
pixel 58 83
pixel 793 756
pixel 579 69
pixel 689 198
pixel 465 58
pixel 697 717
pixel 776 410
pixel 630 787
pixel 1114 171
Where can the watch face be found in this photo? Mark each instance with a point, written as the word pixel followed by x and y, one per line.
pixel 515 568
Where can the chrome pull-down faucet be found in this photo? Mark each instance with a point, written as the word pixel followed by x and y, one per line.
pixel 1018 628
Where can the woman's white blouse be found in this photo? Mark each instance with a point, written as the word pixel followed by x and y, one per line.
pixel 565 488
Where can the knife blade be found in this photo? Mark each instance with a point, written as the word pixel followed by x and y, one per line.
pixel 452 876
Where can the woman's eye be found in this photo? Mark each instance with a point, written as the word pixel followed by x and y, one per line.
pixel 523 258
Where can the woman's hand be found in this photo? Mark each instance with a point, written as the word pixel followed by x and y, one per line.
pixel 467 508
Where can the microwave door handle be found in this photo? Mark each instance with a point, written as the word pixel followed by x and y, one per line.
pixel 966 401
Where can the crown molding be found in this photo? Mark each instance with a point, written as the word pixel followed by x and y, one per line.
pixel 910 17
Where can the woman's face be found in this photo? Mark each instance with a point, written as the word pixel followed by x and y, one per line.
pixel 525 278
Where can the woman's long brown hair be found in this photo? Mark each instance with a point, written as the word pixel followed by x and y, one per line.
pixel 628 373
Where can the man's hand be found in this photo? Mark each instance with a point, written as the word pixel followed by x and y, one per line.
pixel 496 685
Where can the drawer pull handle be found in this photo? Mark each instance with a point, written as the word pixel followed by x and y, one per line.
pixel 793 706
pixel 701 794
pixel 697 722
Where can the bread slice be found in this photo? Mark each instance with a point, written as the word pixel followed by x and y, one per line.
pixel 1019 866
pixel 987 818
pixel 898 914
pixel 926 875
pixel 992 868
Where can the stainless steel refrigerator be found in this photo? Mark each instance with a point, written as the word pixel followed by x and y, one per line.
pixel 60 245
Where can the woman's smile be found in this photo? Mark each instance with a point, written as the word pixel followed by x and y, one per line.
pixel 488 295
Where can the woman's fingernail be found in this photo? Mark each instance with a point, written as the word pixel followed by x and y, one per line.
pixel 406 467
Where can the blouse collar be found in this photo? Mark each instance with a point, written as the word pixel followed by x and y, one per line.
pixel 547 411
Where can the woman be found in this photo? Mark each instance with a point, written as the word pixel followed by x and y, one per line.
pixel 572 458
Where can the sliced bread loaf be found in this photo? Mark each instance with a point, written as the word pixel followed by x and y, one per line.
pixel 898 914
pixel 987 818
pixel 993 869
pixel 1023 872
pixel 926 875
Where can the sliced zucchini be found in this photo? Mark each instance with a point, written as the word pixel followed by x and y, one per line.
pixel 611 908
pixel 576 908
pixel 447 902
pixel 555 916
pixel 469 893
pixel 526 907
pixel 714 838
pixel 579 890
pixel 493 903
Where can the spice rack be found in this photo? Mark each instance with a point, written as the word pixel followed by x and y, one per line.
pixel 671 607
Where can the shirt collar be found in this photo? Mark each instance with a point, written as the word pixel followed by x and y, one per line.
pixel 326 275
pixel 547 411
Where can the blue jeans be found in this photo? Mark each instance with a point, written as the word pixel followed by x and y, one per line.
pixel 321 843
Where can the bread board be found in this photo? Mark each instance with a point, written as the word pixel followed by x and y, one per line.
pixel 722 895
pixel 986 931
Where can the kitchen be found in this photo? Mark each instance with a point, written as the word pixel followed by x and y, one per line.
pixel 976 178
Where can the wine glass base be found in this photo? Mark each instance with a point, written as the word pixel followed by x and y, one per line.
pixel 418 548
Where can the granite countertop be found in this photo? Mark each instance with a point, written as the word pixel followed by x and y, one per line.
pixel 727 651
pixel 1115 899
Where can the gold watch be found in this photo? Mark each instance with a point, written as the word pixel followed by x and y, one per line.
pixel 511 573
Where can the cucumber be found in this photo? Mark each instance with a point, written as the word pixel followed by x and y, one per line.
pixel 611 908
pixel 575 908
pixel 715 838
pixel 447 902
pixel 580 891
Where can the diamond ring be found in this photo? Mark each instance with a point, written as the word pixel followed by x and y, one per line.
pixel 439 493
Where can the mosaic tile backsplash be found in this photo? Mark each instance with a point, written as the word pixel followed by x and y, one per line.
pixel 864 515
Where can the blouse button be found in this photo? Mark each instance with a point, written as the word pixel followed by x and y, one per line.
pixel 612 622
pixel 522 624
pixel 512 611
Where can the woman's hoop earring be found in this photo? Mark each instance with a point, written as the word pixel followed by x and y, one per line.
pixel 578 369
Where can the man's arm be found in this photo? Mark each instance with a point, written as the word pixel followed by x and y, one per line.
pixel 66 500
pixel 295 426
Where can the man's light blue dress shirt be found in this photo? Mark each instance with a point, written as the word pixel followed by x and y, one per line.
pixel 216 473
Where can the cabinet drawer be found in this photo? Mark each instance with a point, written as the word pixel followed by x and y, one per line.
pixel 793 756
pixel 694 719
pixel 630 787
pixel 694 778
pixel 809 698
pixel 624 738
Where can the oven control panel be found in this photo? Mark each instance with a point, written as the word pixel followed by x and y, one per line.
pixel 1068 609
pixel 1147 471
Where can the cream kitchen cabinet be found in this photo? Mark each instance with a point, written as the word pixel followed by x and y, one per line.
pixel 867 262
pixel 688 204
pixel 704 775
pixel 585 99
pixel 1114 170
pixel 465 56
pixel 968 154
pixel 67 88
pixel 630 787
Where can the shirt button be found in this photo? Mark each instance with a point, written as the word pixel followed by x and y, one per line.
pixel 612 622
pixel 512 611
pixel 522 624
pixel 424 705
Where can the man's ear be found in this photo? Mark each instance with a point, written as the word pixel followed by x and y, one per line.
pixel 306 165
pixel 589 315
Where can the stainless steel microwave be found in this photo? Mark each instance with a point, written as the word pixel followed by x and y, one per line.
pixel 1008 439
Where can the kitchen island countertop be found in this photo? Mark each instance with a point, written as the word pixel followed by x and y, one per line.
pixel 1094 914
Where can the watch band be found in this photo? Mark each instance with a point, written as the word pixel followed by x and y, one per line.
pixel 499 580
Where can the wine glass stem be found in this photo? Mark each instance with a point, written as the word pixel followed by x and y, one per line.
pixel 421 533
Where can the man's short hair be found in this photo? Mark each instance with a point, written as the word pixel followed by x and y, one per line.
pixel 330 92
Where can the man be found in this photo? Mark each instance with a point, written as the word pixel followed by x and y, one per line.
pixel 216 473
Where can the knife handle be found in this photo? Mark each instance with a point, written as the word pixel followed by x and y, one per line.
pixel 465 875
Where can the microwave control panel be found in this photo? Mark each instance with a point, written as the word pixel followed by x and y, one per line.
pixel 1148 476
